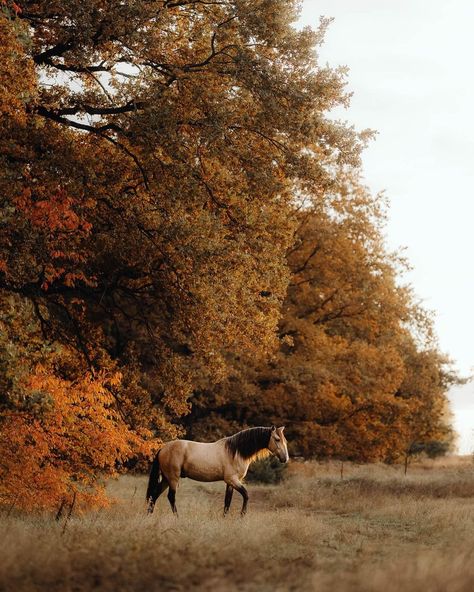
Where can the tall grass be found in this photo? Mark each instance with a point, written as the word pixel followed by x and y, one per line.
pixel 374 530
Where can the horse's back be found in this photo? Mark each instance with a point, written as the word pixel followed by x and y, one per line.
pixel 201 461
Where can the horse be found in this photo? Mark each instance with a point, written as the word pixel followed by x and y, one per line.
pixel 227 459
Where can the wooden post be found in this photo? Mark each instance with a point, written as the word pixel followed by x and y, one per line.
pixel 71 508
pixel 59 513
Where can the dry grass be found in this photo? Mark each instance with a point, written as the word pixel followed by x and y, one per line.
pixel 375 530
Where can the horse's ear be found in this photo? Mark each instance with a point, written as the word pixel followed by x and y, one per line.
pixel 273 428
pixel 282 429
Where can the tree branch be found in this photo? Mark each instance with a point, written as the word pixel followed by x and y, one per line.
pixel 76 124
pixel 73 68
pixel 57 50
pixel 100 132
pixel 307 260
pixel 91 110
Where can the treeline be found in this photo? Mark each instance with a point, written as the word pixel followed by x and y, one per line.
pixel 357 375
pixel 186 247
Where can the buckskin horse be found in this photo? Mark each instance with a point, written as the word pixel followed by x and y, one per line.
pixel 226 460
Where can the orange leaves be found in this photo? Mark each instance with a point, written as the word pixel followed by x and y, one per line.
pixel 349 380
pixel 16 9
pixel 148 216
pixel 63 428
pixel 69 279
pixel 49 455
pixel 49 215
pixel 54 214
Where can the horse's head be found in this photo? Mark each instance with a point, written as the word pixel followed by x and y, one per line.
pixel 277 444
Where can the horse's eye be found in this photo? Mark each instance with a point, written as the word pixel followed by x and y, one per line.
pixel 277 438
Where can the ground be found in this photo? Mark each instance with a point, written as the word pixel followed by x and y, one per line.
pixel 374 530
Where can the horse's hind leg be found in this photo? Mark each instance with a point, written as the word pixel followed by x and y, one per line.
pixel 172 499
pixel 162 486
pixel 173 482
pixel 228 498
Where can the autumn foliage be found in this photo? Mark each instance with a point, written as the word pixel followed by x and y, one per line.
pixel 185 245
pixel 357 375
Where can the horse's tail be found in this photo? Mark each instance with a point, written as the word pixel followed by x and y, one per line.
pixel 154 480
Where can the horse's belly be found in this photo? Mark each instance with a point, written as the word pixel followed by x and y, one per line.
pixel 203 462
pixel 202 472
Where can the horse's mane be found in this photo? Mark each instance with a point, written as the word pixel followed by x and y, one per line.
pixel 250 443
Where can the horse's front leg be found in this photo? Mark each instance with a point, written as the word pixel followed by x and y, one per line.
pixel 228 498
pixel 237 485
pixel 243 492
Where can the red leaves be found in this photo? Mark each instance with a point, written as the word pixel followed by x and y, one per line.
pixel 54 213
pixel 12 6
pixel 54 219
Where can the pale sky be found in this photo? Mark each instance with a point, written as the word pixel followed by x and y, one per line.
pixel 412 77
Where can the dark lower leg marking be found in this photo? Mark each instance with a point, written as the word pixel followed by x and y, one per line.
pixel 228 498
pixel 162 485
pixel 172 500
pixel 243 492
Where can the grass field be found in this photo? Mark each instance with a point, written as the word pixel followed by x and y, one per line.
pixel 374 530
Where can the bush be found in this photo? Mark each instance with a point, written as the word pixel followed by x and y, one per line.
pixel 267 470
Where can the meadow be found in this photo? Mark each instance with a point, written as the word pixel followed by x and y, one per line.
pixel 376 529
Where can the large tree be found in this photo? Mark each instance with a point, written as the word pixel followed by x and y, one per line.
pixel 151 155
pixel 358 375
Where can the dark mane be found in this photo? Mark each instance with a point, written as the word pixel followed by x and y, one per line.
pixel 248 442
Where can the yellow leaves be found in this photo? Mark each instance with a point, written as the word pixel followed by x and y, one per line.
pixel 349 378
pixel 153 248
pixel 190 217
pixel 16 70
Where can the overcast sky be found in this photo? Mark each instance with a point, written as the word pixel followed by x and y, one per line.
pixel 412 77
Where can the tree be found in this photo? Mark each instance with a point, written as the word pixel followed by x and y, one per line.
pixel 62 428
pixel 426 428
pixel 150 163
pixel 357 375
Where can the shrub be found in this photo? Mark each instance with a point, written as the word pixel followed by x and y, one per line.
pixel 267 470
